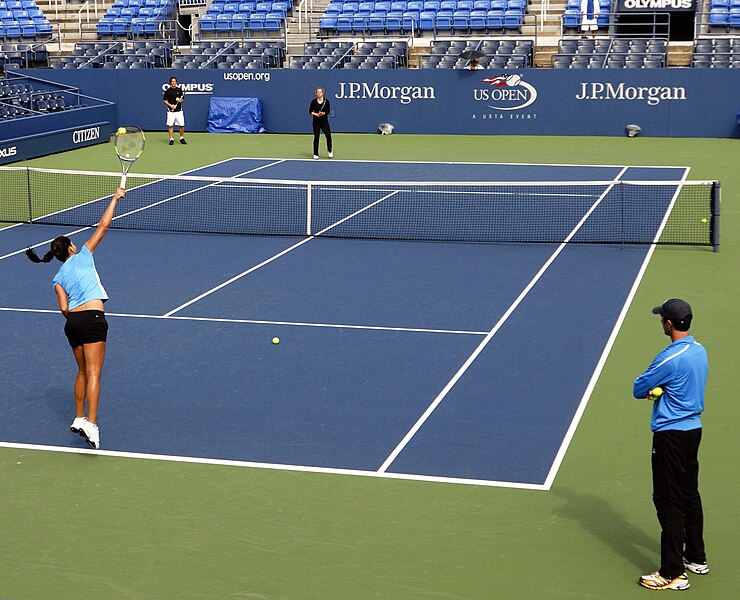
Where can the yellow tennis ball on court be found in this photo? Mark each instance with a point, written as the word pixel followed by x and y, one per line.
pixel 276 340
pixel 656 393
pixel 703 220
pixel 121 130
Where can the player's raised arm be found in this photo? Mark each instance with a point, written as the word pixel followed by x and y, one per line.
pixel 105 221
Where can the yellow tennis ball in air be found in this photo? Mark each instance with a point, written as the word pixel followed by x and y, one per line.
pixel 276 340
pixel 703 220
pixel 121 130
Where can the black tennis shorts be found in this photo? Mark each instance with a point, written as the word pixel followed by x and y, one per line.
pixel 86 327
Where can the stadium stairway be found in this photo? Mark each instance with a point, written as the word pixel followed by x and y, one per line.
pixel 74 21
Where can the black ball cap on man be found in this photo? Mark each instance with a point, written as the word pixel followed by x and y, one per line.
pixel 676 311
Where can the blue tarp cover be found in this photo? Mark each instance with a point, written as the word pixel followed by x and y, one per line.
pixel 235 115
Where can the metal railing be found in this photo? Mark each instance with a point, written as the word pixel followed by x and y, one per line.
pixel 628 25
pixel 365 32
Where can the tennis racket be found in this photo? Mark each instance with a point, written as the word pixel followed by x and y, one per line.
pixel 129 146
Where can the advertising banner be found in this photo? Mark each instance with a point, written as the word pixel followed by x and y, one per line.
pixel 663 102
pixel 647 6
pixel 50 142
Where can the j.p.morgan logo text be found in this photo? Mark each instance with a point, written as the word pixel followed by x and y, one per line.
pixel 506 92
pixel 405 94
pixel 652 95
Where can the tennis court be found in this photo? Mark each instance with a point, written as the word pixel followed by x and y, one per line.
pixel 447 362
pixel 404 359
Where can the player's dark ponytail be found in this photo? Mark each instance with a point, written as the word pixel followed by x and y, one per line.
pixel 59 250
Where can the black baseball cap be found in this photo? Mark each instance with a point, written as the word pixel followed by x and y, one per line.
pixel 675 310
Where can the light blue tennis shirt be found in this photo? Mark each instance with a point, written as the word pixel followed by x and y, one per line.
pixel 80 280
pixel 681 370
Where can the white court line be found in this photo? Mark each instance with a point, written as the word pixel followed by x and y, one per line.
pixel 436 162
pixel 274 466
pixel 272 258
pixel 432 407
pixel 259 322
pixel 607 349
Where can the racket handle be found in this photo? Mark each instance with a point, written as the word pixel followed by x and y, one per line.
pixel 123 180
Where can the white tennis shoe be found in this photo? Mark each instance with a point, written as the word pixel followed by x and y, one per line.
pixel 331 155
pixel 655 581
pixel 91 433
pixel 698 568
pixel 76 425
pixel 316 157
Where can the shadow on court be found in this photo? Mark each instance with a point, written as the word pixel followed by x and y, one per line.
pixel 602 521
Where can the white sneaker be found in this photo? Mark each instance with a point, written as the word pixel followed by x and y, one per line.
pixel 698 568
pixel 91 433
pixel 655 581
pixel 316 157
pixel 76 425
pixel 331 155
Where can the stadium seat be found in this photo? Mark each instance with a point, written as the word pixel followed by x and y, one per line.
pixel 460 22
pixel 512 20
pixel 719 17
pixel 328 24
pixel 734 18
pixel 495 20
pixel 273 22
pixel 426 20
pixel 572 18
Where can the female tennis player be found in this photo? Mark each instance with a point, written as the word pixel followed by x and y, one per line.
pixel 319 109
pixel 81 296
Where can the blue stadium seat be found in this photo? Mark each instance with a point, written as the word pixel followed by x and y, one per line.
pixel 239 22
pixel 461 21
pixel 495 20
pixel 223 22
pixel 273 22
pixel 12 30
pixel 207 24
pixel 443 22
pixel 572 18
pixel 719 16
pixel 359 23
pixel 734 18
pixel 478 19
pixel 257 21
pixel 512 20
pixel 28 30
pixel 426 20
pixel 376 23
pixel 328 24
pixel 120 27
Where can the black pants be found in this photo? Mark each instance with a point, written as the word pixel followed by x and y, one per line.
pixel 317 129
pixel 677 500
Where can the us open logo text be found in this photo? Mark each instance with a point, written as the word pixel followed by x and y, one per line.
pixel 506 92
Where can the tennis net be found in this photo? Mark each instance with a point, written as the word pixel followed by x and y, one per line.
pixel 622 212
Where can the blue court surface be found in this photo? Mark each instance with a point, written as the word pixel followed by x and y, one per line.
pixel 460 362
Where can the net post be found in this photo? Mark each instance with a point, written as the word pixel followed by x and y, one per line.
pixel 28 190
pixel 714 225
pixel 309 189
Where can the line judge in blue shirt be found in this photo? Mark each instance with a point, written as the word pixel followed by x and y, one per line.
pixel 681 371
pixel 81 295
